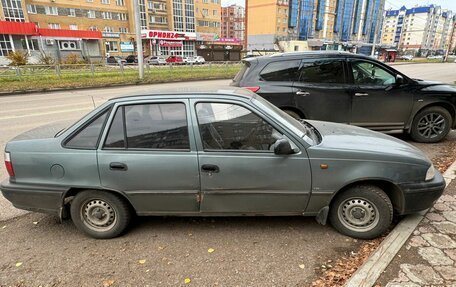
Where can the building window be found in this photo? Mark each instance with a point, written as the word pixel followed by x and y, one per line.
pixel 5 45
pixel 32 44
pixel 72 12
pixel 189 16
pixel 205 12
pixel 90 1
pixel 120 2
pixel 106 15
pixel 108 29
pixel 214 13
pixel 51 10
pixel 123 30
pixel 122 16
pixel 157 19
pixel 142 14
pixel 31 9
pixel 93 28
pixel 12 9
pixel 178 16
pixel 73 27
pixel 104 1
pixel 111 46
pixel 90 14
pixel 54 25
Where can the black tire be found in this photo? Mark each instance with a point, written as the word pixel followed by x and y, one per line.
pixel 110 214
pixel 293 114
pixel 431 125
pixel 370 204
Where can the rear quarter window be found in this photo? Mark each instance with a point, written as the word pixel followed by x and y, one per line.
pixel 282 71
pixel 242 73
pixel 87 137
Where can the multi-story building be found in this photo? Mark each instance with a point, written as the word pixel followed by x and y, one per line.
pixel 340 22
pixel 233 23
pixel 422 28
pixel 208 16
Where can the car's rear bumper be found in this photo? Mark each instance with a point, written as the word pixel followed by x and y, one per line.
pixel 422 195
pixel 37 198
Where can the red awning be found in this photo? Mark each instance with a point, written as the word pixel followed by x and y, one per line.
pixel 18 28
pixel 61 33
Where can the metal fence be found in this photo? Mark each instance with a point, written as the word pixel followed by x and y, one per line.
pixel 59 70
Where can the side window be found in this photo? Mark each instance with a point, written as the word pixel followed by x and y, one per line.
pixel 366 73
pixel 283 71
pixel 324 71
pixel 87 137
pixel 226 126
pixel 116 135
pixel 156 126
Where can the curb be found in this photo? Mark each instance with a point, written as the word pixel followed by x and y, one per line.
pixel 370 271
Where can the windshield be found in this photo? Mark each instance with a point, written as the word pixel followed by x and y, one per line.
pixel 306 130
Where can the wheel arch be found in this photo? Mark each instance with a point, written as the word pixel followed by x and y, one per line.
pixel 294 109
pixel 446 105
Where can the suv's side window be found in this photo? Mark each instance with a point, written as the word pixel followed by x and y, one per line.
pixel 322 71
pixel 149 126
pixel 283 71
pixel 87 137
pixel 225 126
pixel 367 73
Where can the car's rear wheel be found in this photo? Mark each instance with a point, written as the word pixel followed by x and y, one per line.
pixel 431 125
pixel 293 114
pixel 362 211
pixel 100 214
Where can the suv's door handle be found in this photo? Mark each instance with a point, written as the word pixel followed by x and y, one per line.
pixel 302 93
pixel 211 168
pixel 117 166
pixel 361 94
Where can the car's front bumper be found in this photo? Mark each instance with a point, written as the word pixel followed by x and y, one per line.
pixel 48 199
pixel 422 195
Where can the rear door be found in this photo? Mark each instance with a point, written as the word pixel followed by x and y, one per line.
pixel 321 91
pixel 149 154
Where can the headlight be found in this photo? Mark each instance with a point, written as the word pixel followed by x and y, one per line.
pixel 430 173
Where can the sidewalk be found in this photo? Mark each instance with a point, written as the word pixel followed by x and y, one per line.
pixel 429 256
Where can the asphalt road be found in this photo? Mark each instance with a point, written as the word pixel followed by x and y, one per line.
pixel 248 251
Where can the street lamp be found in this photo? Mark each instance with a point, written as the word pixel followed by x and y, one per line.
pixel 139 49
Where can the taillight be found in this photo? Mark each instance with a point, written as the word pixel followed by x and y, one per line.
pixel 253 89
pixel 9 164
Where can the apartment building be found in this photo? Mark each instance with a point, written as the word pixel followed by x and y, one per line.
pixel 233 23
pixel 208 16
pixel 318 22
pixel 425 28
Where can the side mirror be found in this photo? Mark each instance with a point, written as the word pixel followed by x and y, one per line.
pixel 283 147
pixel 399 80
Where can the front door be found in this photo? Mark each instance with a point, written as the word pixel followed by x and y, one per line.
pixel 240 174
pixel 377 102
pixel 321 91
pixel 149 155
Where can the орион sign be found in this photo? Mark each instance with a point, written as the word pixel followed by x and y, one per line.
pixel 167 35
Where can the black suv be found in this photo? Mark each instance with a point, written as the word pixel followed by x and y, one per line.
pixel 354 89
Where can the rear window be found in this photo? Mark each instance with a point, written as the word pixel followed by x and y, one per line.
pixel 282 71
pixel 245 68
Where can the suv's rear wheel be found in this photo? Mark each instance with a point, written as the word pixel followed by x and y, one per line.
pixel 363 211
pixel 100 214
pixel 431 125
pixel 293 114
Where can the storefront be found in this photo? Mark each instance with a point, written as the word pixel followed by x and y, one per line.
pixel 213 48
pixel 167 43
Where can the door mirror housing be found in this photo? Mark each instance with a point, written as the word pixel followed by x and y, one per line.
pixel 283 147
pixel 399 80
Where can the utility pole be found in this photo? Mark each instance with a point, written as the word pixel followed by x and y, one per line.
pixel 139 48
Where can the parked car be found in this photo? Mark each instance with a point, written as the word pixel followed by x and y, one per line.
pixel 406 57
pixel 115 60
pixel 131 59
pixel 157 60
pixel 200 60
pixel 174 60
pixel 355 89
pixel 435 57
pixel 205 154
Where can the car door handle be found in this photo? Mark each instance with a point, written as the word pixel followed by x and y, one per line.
pixel 117 166
pixel 302 93
pixel 211 168
pixel 361 94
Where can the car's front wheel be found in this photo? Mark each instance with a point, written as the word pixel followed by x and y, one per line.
pixel 100 214
pixel 431 125
pixel 362 211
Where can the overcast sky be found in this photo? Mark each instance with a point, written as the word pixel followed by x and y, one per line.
pixel 395 4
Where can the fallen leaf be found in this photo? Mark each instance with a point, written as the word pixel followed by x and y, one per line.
pixel 35 222
pixel 18 264
pixel 142 261
pixel 187 280
pixel 302 266
pixel 147 270
pixel 210 250
pixel 4 226
pixel 108 283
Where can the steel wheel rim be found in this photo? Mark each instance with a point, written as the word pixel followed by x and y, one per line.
pixel 431 125
pixel 358 214
pixel 98 215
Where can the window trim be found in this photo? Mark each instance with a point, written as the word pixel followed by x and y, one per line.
pixel 74 133
pixel 252 109
pixel 106 128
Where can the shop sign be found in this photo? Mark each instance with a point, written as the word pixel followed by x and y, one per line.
pixel 127 47
pixel 164 43
pixel 207 37
pixel 110 35
pixel 167 35
pixel 234 41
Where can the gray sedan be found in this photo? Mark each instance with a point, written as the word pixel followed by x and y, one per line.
pixel 227 153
